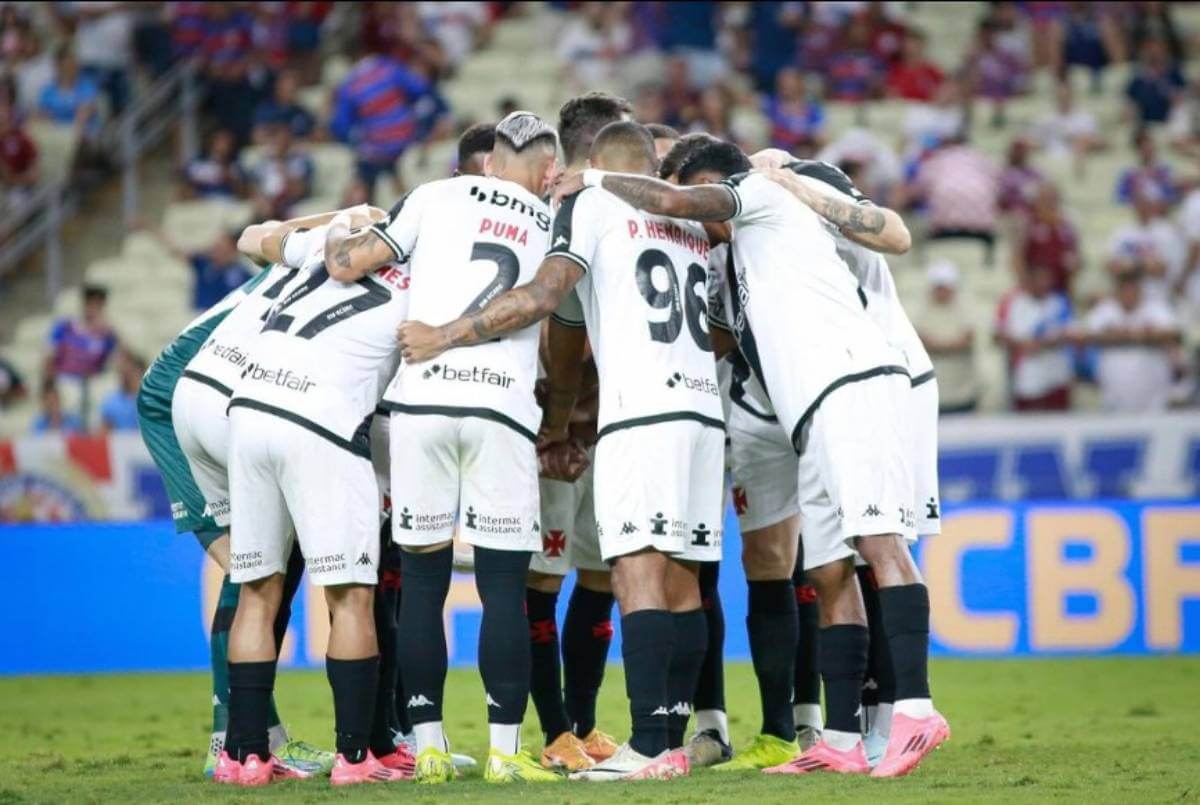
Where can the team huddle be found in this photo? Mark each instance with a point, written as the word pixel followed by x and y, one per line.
pixel 557 367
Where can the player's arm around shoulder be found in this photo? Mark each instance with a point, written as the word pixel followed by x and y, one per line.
pixel 704 202
pixel 862 221
pixel 512 310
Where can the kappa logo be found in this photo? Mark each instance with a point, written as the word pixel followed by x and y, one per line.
pixel 658 524
pixel 560 241
pixel 471 516
pixel 931 509
pixel 493 703
pixel 700 536
pixel 405 519
pixel 872 511
pixel 363 560
pixel 420 700
pixel 681 709
pixel 628 528
pixel 661 710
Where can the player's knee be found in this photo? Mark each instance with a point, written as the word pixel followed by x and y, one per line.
pixel 683 586
pixel 437 546
pixel 260 599
pixel 598 581
pixel 768 554
pixel 890 559
pixel 543 582
pixel 639 581
pixel 350 599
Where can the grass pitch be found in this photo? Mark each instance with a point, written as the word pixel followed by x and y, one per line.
pixel 1095 730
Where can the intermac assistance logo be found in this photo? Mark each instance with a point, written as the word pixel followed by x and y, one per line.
pixel 473 374
pixel 482 523
pixel 407 521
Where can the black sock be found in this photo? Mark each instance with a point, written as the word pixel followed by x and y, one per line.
pixel 710 688
pixel 691 643
pixel 879 686
pixel 904 612
pixel 422 632
pixel 807 685
pixel 250 686
pixel 291 583
pixel 391 585
pixel 504 656
pixel 354 683
pixel 647 642
pixel 773 629
pixel 843 663
pixel 586 635
pixel 384 721
pixel 545 682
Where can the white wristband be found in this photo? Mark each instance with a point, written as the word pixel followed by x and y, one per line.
pixel 592 177
pixel 298 245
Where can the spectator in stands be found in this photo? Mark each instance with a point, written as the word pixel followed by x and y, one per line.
pixel 927 125
pixel 593 44
pixel 381 109
pixel 283 109
pixel 1033 324
pixel 1183 125
pixel 80 348
pixel 1151 245
pixel 104 47
pixel 118 409
pixel 946 331
pixel 959 186
pixel 236 82
pixel 12 385
pixel 26 59
pixel 1136 339
pixel 853 72
pixel 888 31
pixel 714 113
pixel 216 173
pixel 997 72
pixel 1048 240
pixel 1149 175
pixel 52 418
pixel 459 27
pixel 797 118
pixel 1155 84
pixel 649 103
pixel 1152 20
pixel 1187 285
pixel 1019 181
pixel 70 99
pixel 218 271
pixel 1069 130
pixel 18 157
pixel 679 93
pixel 914 77
pixel 283 176
pixel 1091 38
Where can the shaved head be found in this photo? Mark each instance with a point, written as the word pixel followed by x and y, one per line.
pixel 624 146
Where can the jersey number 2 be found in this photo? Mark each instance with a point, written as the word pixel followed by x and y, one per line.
pixel 692 307
pixel 508 269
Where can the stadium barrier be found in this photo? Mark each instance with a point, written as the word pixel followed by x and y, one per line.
pixel 1026 579
pixel 54 478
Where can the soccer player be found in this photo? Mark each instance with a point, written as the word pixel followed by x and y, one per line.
pixel 665 138
pixel 813 182
pixel 565 699
pixel 171 391
pixel 660 451
pixel 840 389
pixel 299 459
pixel 463 432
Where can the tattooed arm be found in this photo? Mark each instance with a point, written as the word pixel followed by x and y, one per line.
pixel 512 310
pixel 350 256
pixel 877 228
pixel 263 242
pixel 703 202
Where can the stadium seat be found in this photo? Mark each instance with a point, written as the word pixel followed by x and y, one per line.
pixel 56 145
pixel 192 226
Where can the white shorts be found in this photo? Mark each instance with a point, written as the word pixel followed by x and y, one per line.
pixel 855 472
pixel 285 478
pixel 923 430
pixel 661 486
pixel 568 526
pixel 448 467
pixel 202 428
pixel 762 463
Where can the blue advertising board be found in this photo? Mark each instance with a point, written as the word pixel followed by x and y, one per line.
pixel 1019 579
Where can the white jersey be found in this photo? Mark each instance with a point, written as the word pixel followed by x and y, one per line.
pixel 871 270
pixel 644 301
pixel 739 385
pixel 225 353
pixel 326 350
pixel 468 240
pixel 796 309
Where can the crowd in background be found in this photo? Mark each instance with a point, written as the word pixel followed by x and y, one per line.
pixel 760 74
